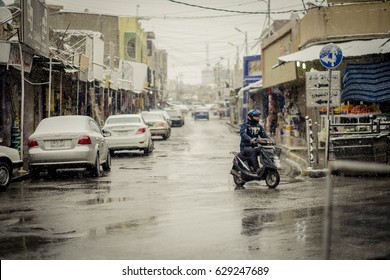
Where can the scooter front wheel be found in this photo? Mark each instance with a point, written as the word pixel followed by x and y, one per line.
pixel 272 179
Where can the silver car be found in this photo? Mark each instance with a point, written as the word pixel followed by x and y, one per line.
pixel 128 132
pixel 68 142
pixel 158 124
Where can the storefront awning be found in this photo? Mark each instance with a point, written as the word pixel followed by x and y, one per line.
pixel 255 85
pixel 349 49
pixel 367 82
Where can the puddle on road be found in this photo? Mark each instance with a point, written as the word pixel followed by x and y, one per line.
pixel 17 209
pixel 101 200
pixel 253 221
pixel 26 247
pixel 72 186
pixel 136 168
pixel 131 224
pixel 256 220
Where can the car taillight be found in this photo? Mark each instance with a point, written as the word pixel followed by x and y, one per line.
pixel 141 130
pixel 32 143
pixel 84 140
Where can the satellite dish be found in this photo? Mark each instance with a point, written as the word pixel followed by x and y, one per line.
pixel 2 3
pixel 5 16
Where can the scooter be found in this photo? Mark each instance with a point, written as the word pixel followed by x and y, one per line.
pixel 243 173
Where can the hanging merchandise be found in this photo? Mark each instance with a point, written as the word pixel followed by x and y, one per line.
pixel 16 134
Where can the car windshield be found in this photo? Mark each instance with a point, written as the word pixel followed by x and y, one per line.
pixel 153 117
pixel 123 120
pixel 61 124
pixel 173 113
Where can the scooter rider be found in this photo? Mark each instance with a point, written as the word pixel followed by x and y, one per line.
pixel 250 132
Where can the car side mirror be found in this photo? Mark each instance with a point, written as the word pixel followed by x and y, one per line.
pixel 106 133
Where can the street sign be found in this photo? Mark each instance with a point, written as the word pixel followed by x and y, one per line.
pixel 317 89
pixel 331 56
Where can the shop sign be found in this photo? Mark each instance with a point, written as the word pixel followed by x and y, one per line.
pixel 83 62
pixel 15 61
pixel 4 52
pixel 34 26
pixel 252 68
pixel 317 89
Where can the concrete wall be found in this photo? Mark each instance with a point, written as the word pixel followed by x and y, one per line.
pixel 325 24
pixel 338 22
pixel 284 41
pixel 131 24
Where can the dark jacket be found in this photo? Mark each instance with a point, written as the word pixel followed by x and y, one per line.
pixel 249 131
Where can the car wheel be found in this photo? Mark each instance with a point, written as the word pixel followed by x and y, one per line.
pixel 149 149
pixel 165 137
pixel 112 152
pixel 107 164
pixel 95 169
pixel 5 175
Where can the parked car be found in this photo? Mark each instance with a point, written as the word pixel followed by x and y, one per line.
pixel 158 124
pixel 9 162
pixel 177 117
pixel 165 114
pixel 68 142
pixel 201 113
pixel 128 132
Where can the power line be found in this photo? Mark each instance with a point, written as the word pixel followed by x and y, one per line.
pixel 234 11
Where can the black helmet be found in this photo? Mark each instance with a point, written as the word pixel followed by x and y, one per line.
pixel 252 113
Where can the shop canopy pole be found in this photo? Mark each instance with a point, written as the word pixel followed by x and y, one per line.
pixel 50 70
pixel 22 102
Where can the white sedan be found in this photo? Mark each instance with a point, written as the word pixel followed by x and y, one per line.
pixel 68 142
pixel 9 162
pixel 128 132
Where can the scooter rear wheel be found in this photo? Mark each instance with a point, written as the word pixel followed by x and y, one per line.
pixel 272 179
pixel 238 181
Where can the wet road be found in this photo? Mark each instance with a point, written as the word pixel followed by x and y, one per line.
pixel 180 203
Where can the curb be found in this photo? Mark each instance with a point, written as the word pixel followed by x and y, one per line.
pixel 305 170
pixel 20 175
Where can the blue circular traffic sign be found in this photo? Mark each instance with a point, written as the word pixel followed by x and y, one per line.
pixel 331 56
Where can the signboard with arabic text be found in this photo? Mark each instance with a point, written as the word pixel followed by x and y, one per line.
pixel 317 89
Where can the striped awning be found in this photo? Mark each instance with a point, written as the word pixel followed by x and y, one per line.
pixel 367 82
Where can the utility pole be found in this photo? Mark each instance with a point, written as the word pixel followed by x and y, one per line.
pixel 269 17
pixel 246 39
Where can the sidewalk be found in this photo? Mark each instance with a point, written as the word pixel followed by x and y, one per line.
pixel 296 150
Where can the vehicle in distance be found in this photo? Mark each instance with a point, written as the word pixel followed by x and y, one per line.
pixel 165 114
pixel 9 162
pixel 128 132
pixel 70 141
pixel 201 113
pixel 158 124
pixel 177 117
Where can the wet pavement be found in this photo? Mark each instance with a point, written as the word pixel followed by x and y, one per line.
pixel 180 203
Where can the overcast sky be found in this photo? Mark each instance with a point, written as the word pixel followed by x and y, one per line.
pixel 184 31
